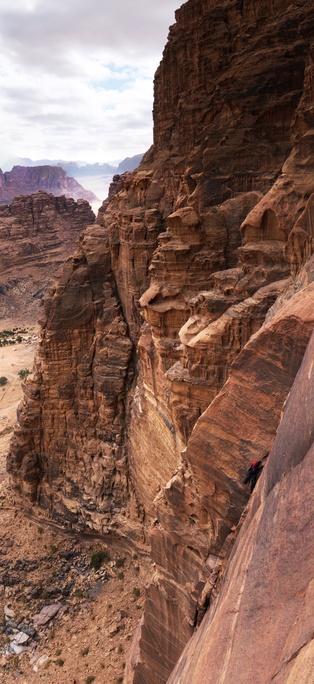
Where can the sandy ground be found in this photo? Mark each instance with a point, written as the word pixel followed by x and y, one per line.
pixel 13 358
pixel 89 639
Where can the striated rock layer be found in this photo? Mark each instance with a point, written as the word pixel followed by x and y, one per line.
pixel 173 336
pixel 25 180
pixel 37 234
pixel 268 589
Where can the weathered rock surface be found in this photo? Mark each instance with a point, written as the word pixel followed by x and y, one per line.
pixel 267 593
pixel 25 180
pixel 37 234
pixel 174 334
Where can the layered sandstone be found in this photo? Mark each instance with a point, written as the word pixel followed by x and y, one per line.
pixel 267 594
pixel 25 180
pixel 173 337
pixel 37 234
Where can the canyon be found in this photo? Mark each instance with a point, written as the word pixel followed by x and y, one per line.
pixel 177 347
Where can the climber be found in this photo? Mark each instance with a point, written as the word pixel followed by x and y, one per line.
pixel 253 473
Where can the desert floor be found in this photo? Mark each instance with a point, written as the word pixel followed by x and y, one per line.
pixel 41 565
pixel 13 358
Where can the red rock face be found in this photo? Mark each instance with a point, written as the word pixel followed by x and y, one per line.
pixel 37 234
pixel 267 592
pixel 25 180
pixel 173 337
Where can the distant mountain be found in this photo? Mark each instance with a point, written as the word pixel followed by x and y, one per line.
pixel 25 180
pixel 130 163
pixel 97 169
pixel 79 168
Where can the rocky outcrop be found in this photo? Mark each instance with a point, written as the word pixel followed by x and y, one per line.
pixel 114 187
pixel 173 337
pixel 37 234
pixel 25 180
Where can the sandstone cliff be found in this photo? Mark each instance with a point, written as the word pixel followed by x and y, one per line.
pixel 25 180
pixel 262 624
pixel 37 234
pixel 174 334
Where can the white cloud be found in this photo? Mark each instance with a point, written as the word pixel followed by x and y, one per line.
pixel 76 77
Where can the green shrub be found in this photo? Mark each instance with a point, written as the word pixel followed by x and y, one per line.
pixel 79 593
pixel 3 381
pixel 136 592
pixel 60 662
pixel 89 679
pixel 120 562
pixel 98 558
pixel 23 373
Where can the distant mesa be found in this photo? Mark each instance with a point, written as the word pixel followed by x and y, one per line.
pixel 25 180
pixel 58 177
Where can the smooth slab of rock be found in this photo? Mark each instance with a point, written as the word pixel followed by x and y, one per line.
pixel 20 638
pixel 46 614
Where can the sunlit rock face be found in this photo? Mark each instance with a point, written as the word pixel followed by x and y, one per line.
pixel 174 335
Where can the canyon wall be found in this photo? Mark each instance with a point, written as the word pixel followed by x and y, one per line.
pixel 262 623
pixel 25 180
pixel 37 234
pixel 174 334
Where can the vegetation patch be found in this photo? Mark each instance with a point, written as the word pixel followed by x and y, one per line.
pixel 60 662
pixel 23 373
pixel 98 558
pixel 11 336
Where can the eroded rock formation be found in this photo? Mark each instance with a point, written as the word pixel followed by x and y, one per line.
pixel 173 337
pixel 37 234
pixel 25 180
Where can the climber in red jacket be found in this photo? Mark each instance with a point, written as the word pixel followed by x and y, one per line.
pixel 253 473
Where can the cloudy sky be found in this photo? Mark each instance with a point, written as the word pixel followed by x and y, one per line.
pixel 76 76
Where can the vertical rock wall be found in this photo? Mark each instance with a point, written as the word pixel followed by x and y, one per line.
pixel 268 589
